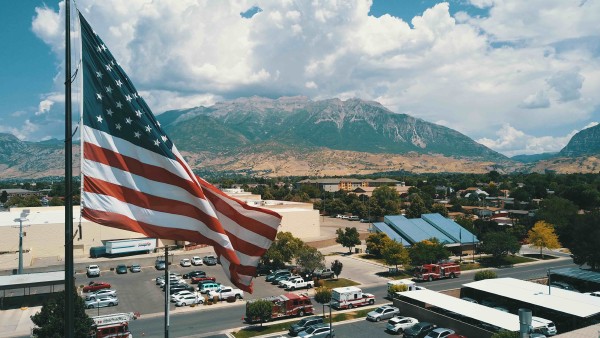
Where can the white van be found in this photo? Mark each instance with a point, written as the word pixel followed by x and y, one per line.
pixel 543 326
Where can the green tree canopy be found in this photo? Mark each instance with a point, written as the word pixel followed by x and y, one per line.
pixel 336 267
pixel 428 251
pixel 283 250
pixel 3 196
pixel 586 240
pixel 348 238
pixel 395 253
pixel 310 258
pixel 499 244
pixel 50 321
pixel 323 296
pixel 259 309
pixel 376 242
pixel 416 208
pixel 386 200
pixel 440 209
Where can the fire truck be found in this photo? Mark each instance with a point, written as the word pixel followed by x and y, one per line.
pixel 429 272
pixel 115 325
pixel 289 304
pixel 349 297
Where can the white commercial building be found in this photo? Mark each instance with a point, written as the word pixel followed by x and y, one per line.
pixel 44 228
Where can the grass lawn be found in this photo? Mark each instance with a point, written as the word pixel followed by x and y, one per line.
pixel 340 282
pixel 269 328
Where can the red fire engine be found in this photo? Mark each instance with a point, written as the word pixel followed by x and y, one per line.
pixel 115 325
pixel 287 305
pixel 429 272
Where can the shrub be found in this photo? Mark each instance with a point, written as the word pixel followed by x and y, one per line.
pixel 230 299
pixel 485 274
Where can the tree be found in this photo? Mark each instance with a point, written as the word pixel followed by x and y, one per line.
pixel 348 238
pixel 385 200
pixel 376 242
pixel 49 322
pixel 336 267
pixel 310 258
pixel 260 309
pixel 586 240
pixel 466 222
pixel 323 296
pixel 394 253
pixel 506 334
pixel 561 212
pixel 55 201
pixel 3 197
pixel 283 250
pixel 416 208
pixel 542 236
pixel 485 274
pixel 499 244
pixel 428 251
pixel 440 209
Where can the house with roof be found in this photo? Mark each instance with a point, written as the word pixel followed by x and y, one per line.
pixel 347 184
pixel 410 231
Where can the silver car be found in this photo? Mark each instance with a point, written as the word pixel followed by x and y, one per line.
pixel 101 302
pixel 101 294
pixel 383 312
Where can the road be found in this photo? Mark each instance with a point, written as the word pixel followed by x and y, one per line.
pixel 211 321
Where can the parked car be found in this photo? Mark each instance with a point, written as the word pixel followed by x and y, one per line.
pixel 454 335
pixel 196 260
pixel 208 287
pixel 353 218
pixel 281 277
pixel 302 325
pixel 135 267
pixel 225 292
pixel 397 324
pixel 101 302
pixel 419 330
pixel 439 332
pixel 210 260
pixel 121 268
pixel 277 273
pixel 185 262
pixel 198 279
pixel 282 281
pixel 93 271
pixel 189 300
pixel 364 220
pixel 180 287
pixel 323 273
pixel 195 273
pixel 95 286
pixel 177 295
pixel 318 330
pixel 159 264
pixel 101 293
pixel 382 312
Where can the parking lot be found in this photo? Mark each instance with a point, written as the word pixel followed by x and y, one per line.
pixel 138 292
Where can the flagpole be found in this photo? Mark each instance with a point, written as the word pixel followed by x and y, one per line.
pixel 69 270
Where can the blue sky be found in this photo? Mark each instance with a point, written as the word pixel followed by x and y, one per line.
pixel 515 78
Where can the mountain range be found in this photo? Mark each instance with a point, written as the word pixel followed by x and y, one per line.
pixel 295 136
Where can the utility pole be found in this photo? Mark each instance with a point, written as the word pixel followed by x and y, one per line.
pixel 21 219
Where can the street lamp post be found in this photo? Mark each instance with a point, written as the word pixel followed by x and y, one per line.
pixel 549 288
pixel 21 219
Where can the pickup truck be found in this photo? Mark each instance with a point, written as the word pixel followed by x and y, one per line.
pixel 226 292
pixel 323 273
pixel 93 271
pixel 298 283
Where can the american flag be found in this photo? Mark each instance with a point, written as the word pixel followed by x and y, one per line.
pixel 134 178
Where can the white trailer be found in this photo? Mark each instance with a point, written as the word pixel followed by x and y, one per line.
pixel 125 246
pixel 410 286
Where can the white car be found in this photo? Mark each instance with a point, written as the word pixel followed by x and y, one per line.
pixel 93 271
pixel 177 295
pixel 101 293
pixel 197 260
pixel 101 302
pixel 185 262
pixel 397 324
pixel 189 300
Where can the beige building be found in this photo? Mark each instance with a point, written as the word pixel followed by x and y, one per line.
pixel 44 228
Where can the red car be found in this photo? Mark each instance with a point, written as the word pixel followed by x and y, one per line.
pixel 94 286
pixel 454 335
pixel 197 279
